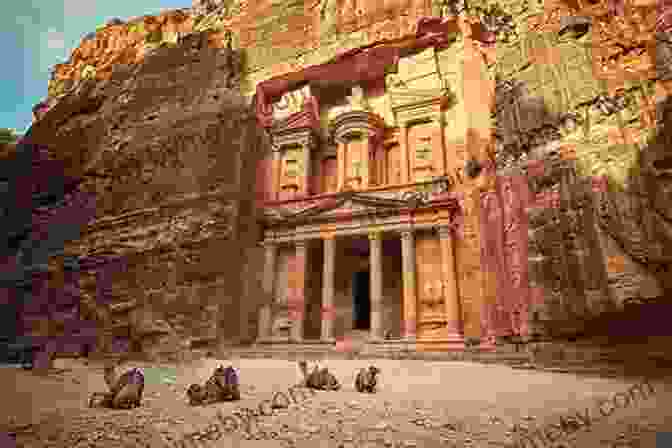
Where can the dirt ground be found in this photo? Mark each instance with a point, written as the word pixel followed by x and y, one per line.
pixel 419 403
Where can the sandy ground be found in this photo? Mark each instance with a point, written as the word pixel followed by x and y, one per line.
pixel 419 403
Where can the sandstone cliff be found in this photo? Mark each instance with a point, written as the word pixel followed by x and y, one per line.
pixel 165 152
pixel 577 214
pixel 580 118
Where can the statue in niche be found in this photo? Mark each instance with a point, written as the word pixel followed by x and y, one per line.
pixel 423 152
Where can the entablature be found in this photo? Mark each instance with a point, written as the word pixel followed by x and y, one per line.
pixel 349 204
pixel 418 106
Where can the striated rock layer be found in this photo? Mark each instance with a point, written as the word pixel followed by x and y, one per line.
pixel 165 153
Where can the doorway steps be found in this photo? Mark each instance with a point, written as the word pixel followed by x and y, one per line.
pixel 634 360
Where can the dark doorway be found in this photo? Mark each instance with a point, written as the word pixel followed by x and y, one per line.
pixel 361 301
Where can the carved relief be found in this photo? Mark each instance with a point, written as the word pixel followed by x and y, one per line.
pixel 423 146
pixel 515 197
pixel 431 310
pixel 493 260
pixel 291 103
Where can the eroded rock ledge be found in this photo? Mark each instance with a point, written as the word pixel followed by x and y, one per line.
pixel 166 154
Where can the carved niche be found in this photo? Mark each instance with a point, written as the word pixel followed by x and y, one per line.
pixel 424 144
pixel 357 134
pixel 295 147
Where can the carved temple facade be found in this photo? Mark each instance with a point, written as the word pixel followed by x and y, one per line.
pixel 376 192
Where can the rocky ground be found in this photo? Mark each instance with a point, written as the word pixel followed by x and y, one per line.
pixel 420 403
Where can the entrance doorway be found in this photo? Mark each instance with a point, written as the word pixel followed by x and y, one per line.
pixel 361 301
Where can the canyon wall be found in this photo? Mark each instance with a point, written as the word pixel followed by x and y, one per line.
pixel 165 154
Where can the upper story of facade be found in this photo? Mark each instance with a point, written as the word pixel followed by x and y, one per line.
pixel 377 117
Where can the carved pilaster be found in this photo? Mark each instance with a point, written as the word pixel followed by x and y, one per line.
pixel 265 313
pixel 403 143
pixel 409 284
pixel 376 266
pixel 298 299
pixel 341 165
pixel 275 173
pixel 328 273
pixel 450 291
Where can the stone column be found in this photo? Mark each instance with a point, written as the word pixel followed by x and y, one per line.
pixel 328 312
pixel 410 297
pixel 403 142
pixel 450 292
pixel 307 169
pixel 376 294
pixel 365 155
pixel 275 174
pixel 265 314
pixel 341 165
pixel 298 298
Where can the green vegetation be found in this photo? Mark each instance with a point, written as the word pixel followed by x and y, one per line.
pixel 7 136
pixel 154 37
pixel 136 28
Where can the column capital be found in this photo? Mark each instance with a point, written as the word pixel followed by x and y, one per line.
pixel 445 230
pixel 407 234
pixel 269 244
pixel 375 236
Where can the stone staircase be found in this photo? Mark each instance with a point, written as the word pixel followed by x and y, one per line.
pixel 616 360
pixel 634 360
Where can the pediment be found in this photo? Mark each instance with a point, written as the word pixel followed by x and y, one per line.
pixel 344 204
pixel 401 98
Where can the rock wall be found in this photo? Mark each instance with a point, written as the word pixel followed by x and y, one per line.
pixel 574 120
pixel 166 152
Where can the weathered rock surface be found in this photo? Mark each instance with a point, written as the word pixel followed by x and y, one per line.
pixel 166 153
pixel 579 145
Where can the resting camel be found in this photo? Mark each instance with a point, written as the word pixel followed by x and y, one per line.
pixel 125 390
pixel 320 379
pixel 223 385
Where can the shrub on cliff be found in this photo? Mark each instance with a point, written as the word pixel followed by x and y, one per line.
pixel 136 28
pixel 154 37
pixel 7 136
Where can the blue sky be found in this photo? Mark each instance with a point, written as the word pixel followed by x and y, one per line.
pixel 37 34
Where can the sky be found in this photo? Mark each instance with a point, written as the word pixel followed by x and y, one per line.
pixel 37 34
